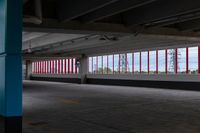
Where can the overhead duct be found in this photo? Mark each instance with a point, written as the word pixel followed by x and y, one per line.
pixel 37 19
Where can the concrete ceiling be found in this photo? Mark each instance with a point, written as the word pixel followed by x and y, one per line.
pixel 128 15
pixel 69 27
pixel 57 44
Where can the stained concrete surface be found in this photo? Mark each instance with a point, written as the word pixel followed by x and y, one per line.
pixel 72 108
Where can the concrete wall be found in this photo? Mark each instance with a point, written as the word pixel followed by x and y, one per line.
pixel 70 78
pixel 161 77
pixel 186 82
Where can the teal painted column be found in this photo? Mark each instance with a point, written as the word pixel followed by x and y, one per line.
pixel 10 58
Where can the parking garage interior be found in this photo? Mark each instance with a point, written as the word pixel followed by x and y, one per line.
pixel 99 66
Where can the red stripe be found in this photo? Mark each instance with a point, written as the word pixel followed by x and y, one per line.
pixel 49 63
pixel 119 63
pixel 140 62
pixel 187 61
pixel 107 64
pixel 102 63
pixel 47 66
pixel 148 62
pixel 92 65
pixel 157 61
pixel 198 59
pixel 133 63
pixel 44 66
pixel 126 64
pixel 37 67
pixel 53 67
pixel 72 65
pixel 166 61
pixel 68 65
pixel 65 66
pixel 113 63
pixel 176 52
pixel 59 66
pixel 97 64
pixel 40 67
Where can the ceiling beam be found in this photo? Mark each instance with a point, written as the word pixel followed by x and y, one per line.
pixel 61 43
pixel 189 25
pixel 70 9
pixel 75 27
pixel 131 42
pixel 113 9
pixel 160 10
pixel 51 39
pixel 33 35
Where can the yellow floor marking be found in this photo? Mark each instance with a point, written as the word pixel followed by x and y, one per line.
pixel 70 101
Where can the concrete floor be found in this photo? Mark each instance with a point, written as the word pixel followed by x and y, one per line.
pixel 71 108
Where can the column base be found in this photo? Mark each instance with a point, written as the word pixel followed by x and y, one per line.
pixel 10 124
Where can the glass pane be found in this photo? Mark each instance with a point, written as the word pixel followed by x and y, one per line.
pixel 152 62
pixel 105 64
pixel 122 63
pixel 137 62
pixel 110 64
pixel 144 62
pixel 100 65
pixel 129 63
pixel 42 67
pixel 47 66
pixel 171 53
pixel 74 65
pixel 90 65
pixel 61 63
pixel 67 66
pixel 94 65
pixel 116 63
pixel 78 70
pixel 70 66
pixel 193 60
pixel 56 66
pixel 33 67
pixel 51 67
pixel 64 67
pixel 181 60
pixel 161 61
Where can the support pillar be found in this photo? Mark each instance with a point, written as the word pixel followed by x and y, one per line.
pixel 28 69
pixel 10 66
pixel 84 69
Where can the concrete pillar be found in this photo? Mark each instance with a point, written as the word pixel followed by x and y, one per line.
pixel 28 69
pixel 84 69
pixel 10 66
